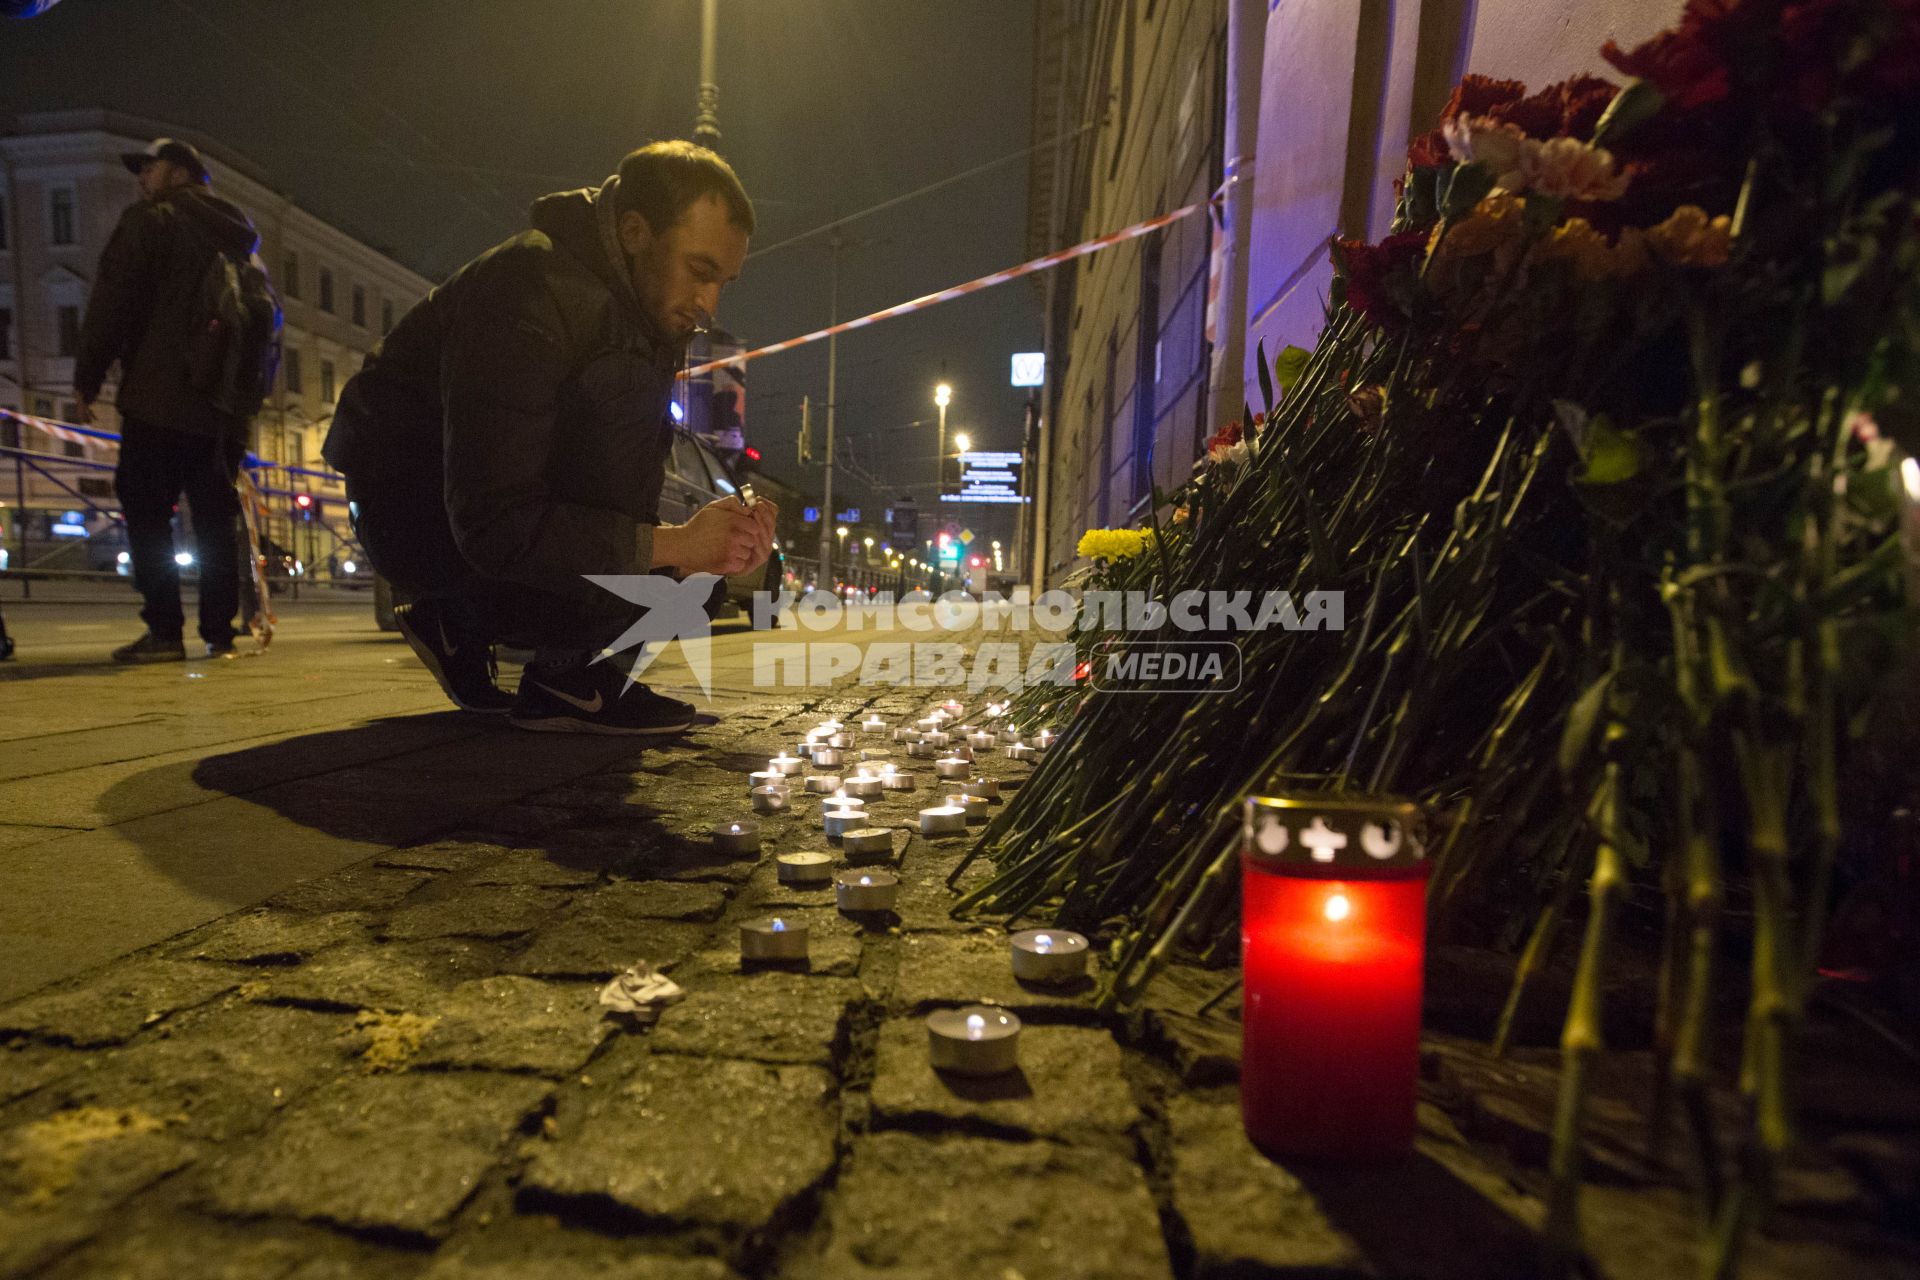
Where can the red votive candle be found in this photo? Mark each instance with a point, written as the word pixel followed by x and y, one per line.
pixel 1333 937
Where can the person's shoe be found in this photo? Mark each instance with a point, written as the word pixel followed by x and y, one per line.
pixel 152 648
pixel 594 698
pixel 463 666
pixel 220 648
pixel 6 648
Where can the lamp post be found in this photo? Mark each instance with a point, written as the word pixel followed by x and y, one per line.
pixel 942 396
pixel 706 123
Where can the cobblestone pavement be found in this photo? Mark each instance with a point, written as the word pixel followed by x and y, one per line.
pixel 399 1068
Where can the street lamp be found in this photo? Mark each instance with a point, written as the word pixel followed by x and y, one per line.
pixel 962 442
pixel 942 396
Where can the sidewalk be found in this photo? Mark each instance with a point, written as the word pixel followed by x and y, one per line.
pixel 395 1065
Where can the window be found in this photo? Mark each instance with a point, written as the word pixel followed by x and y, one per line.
pixel 386 316
pixel 6 333
pixel 9 433
pixel 326 290
pixel 326 381
pixel 60 216
pixel 359 307
pixel 290 275
pixel 290 370
pixel 67 322
pixel 43 406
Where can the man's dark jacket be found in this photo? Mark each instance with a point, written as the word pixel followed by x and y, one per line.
pixel 527 399
pixel 144 304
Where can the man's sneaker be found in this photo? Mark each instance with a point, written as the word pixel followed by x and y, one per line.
pixel 594 698
pixel 220 649
pixel 152 648
pixel 463 665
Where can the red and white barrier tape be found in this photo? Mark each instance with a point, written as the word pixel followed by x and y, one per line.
pixel 921 303
pixel 57 430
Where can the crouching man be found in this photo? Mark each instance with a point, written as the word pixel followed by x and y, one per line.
pixel 511 436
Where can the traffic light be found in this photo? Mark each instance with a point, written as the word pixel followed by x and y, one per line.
pixel 304 501
pixel 974 561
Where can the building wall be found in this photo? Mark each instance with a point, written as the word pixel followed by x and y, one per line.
pixel 79 152
pixel 1346 85
pixel 1126 400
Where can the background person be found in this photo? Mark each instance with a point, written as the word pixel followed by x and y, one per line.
pixel 146 311
pixel 511 436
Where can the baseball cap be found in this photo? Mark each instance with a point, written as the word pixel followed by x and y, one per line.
pixel 172 149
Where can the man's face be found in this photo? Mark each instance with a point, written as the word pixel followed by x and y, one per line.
pixel 158 176
pixel 679 273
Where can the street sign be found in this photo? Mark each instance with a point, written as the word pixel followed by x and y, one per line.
pixel 988 477
pixel 850 516
pixel 1029 368
pixel 966 536
pixel 811 515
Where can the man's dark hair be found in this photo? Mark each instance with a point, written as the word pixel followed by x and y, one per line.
pixel 661 179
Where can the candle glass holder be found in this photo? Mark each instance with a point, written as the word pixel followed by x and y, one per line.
pixel 1333 942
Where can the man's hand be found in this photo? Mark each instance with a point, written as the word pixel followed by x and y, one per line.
pixel 765 514
pixel 723 537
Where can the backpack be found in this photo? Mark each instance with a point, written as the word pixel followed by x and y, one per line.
pixel 233 342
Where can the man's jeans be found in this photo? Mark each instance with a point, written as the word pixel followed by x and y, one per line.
pixel 157 466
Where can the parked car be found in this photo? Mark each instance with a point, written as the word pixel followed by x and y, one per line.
pixel 696 475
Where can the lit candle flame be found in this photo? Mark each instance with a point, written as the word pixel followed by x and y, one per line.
pixel 778 926
pixel 1043 942
pixel 976 1026
pixel 1338 907
pixel 866 879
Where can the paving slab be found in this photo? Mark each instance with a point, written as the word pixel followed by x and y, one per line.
pixel 712 1142
pixel 270 937
pixel 394 1153
pixel 769 1017
pixel 515 1024
pixel 395 977
pixel 481 911
pixel 939 969
pixel 116 1003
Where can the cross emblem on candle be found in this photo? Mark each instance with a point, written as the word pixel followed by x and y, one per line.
pixel 1323 840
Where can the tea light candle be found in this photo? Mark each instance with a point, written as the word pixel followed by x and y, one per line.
pixel 866 890
pixel 1021 751
pixel 864 846
pixel 773 799
pixel 897 779
pixel 961 752
pixel 995 710
pixel 982 787
pixel 739 836
pixel 906 735
pixel 974 807
pixel 953 708
pixel 786 764
pixel 840 741
pixel 952 767
pixel 868 754
pixel 840 821
pixel 830 726
pixel 766 778
pixel 943 820
pixel 923 750
pixel 935 738
pixel 863 786
pixel 929 724
pixel 812 869
pixel 821 784
pixel 774 939
pixel 1049 956
pixel 980 741
pixel 1044 739
pixel 827 757
pixel 872 724
pixel 979 1040
pixel 1009 735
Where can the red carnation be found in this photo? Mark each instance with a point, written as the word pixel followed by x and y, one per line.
pixel 1225 438
pixel 1371 271
pixel 1479 95
pixel 1429 151
pixel 1689 63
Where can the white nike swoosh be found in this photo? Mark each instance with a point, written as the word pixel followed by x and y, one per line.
pixel 591 708
pixel 446 641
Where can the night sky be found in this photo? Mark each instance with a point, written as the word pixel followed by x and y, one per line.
pixel 427 126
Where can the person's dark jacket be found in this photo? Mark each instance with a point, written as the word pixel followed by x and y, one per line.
pixel 143 306
pixel 527 398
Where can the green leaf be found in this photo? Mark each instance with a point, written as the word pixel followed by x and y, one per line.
pixel 1463 189
pixel 1292 362
pixel 1611 456
pixel 1635 104
pixel 1583 725
pixel 1266 378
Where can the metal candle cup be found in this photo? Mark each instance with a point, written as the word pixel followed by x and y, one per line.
pixel 767 778
pixel 1333 942
pixel 1049 956
pixel 897 779
pixel 935 738
pixel 866 786
pixel 821 784
pixel 929 724
pixel 789 765
pixel 953 708
pixel 864 846
pixel 869 754
pixel 1009 735
pixel 943 820
pixel 866 890
pixel 951 767
pixel 974 807
pixel 827 757
pixel 906 735
pixel 813 869
pixel 872 724
pixel 840 821
pixel 980 741
pixel 979 1040
pixel 840 741
pixel 1021 751
pixel 1045 739
pixel 741 836
pixel 772 799
pixel 923 750
pixel 776 939
pixel 982 787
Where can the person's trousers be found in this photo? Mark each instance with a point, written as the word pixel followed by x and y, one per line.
pixel 157 466
pixel 411 545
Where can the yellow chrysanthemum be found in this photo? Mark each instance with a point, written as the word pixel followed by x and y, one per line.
pixel 1113 544
pixel 1688 238
pixel 1576 243
pixel 1498 219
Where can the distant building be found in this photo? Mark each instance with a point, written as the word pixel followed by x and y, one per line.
pixel 62 189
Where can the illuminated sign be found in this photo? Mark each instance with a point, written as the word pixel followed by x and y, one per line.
pixel 1029 368
pixel 988 477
